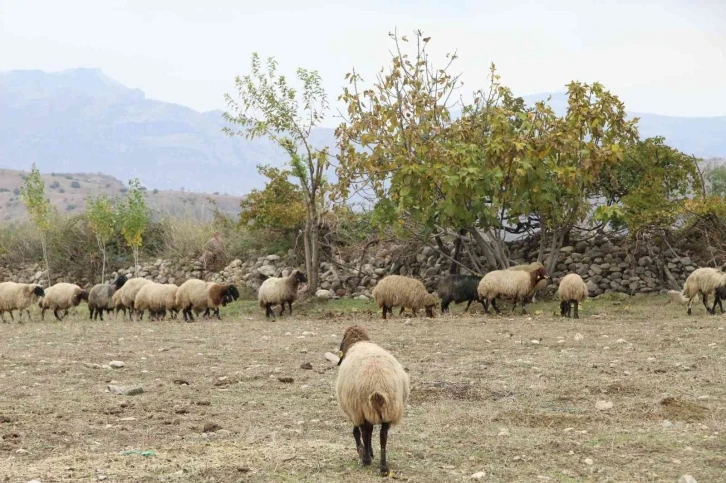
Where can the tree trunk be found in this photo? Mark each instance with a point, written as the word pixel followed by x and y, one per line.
pixel 454 268
pixel 557 239
pixel 44 245
pixel 136 261
pixel 102 247
pixel 312 247
pixel 486 248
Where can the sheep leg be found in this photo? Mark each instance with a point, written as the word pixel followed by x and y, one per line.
pixel 705 304
pixel 384 441
pixel 55 312
pixel 367 430
pixel 524 302
pixel 282 310
pixel 358 444
pixel 401 312
pixel 385 309
pixel 268 311
pixel 577 305
pixel 289 305
pixel 11 316
pixel 465 311
pixel 216 312
pixel 494 304
pixel 2 316
pixel 90 313
pixel 445 305
pixel 42 314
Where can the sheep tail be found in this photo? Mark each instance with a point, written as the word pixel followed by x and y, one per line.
pixel 378 402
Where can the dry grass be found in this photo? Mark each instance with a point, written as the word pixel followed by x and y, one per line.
pixel 511 396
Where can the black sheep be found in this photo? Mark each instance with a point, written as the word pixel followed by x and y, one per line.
pixel 459 288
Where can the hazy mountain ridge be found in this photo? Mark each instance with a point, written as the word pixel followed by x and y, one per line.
pixel 81 120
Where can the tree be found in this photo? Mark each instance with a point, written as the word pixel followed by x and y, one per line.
pixel 280 206
pixel 134 217
pixel 715 177
pixel 32 193
pixel 101 218
pixel 268 106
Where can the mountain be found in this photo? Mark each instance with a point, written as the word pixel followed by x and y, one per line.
pixel 81 120
pixel 703 137
pixel 68 192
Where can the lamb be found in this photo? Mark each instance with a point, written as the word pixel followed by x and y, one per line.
pixel 18 296
pixel 457 289
pixel 704 281
pixel 531 267
pixel 372 388
pixel 127 295
pixel 572 290
pixel 157 298
pixel 399 291
pixel 279 291
pixel 198 295
pixel 61 296
pixel 100 297
pixel 515 284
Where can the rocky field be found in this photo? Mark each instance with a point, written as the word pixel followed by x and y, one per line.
pixel 633 391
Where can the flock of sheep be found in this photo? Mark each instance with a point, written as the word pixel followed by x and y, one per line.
pixel 372 387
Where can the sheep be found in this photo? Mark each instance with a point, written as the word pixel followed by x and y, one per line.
pixel 399 291
pixel 704 281
pixel 100 297
pixel 198 295
pixel 531 267
pixel 61 296
pixel 157 298
pixel 117 305
pixel 127 295
pixel 457 289
pixel 572 290
pixel 18 296
pixel 280 290
pixel 515 284
pixel 372 388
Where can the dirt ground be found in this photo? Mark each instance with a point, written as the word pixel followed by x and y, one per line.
pixel 522 398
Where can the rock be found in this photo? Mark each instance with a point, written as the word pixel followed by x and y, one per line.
pixel 667 424
pixel 286 379
pixel 332 357
pixel 307 366
pixel 267 270
pixel 579 336
pixel 687 479
pixel 604 405
pixel 478 475
pixel 272 258
pixel 361 297
pixel 503 432
pixel 116 364
pixel 125 391
pixel 588 461
pixel 211 427
pixel 324 294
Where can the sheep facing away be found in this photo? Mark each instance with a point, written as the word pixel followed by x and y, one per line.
pixel 458 289
pixel 279 291
pixel 61 296
pixel 531 267
pixel 703 281
pixel 372 388
pixel 572 291
pixel 101 295
pixel 405 292
pixel 198 295
pixel 18 296
pixel 127 295
pixel 157 298
pixel 514 284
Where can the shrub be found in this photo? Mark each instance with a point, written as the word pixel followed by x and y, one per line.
pixel 75 184
pixel 155 191
pixel 70 207
pixel 16 191
pixel 55 184
pixel 123 190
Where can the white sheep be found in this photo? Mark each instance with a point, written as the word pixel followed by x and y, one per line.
pixel 372 388
pixel 279 291
pixel 531 267
pixel 101 295
pixel 18 296
pixel 61 296
pixel 198 295
pixel 126 295
pixel 514 284
pixel 157 298
pixel 405 292
pixel 572 290
pixel 703 281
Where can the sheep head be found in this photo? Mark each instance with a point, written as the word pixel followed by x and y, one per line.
pixel 353 334
pixel 38 290
pixel 537 275
pixel 120 281
pixel 232 292
pixel 299 276
pixel 80 296
pixel 430 304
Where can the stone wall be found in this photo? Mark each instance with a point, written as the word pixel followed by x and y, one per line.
pixel 607 265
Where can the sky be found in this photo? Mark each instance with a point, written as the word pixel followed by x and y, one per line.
pixel 664 57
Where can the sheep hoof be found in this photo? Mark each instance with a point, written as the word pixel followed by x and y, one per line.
pixel 364 456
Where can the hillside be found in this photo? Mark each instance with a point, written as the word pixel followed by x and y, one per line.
pixel 67 192
pixel 81 120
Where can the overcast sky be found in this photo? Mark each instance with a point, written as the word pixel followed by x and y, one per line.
pixel 665 57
